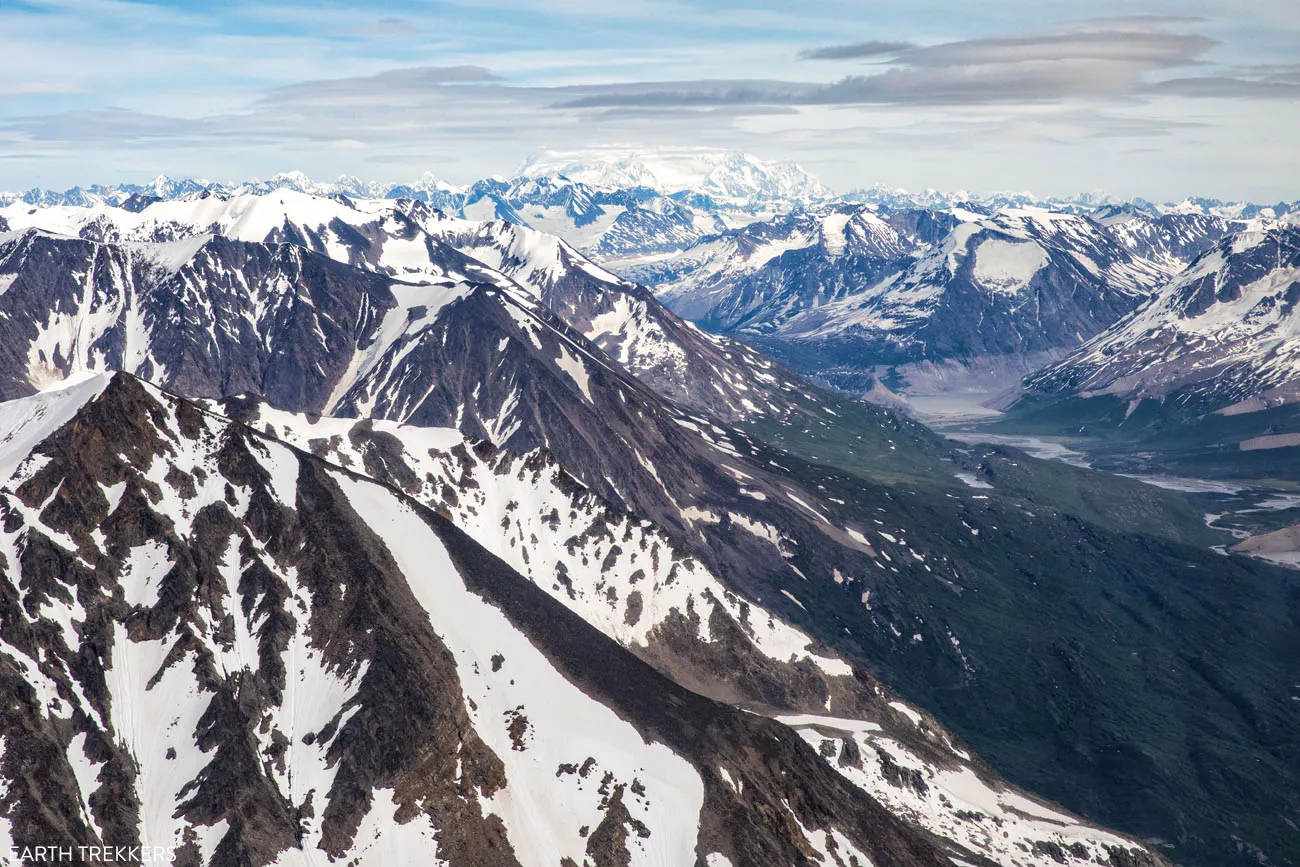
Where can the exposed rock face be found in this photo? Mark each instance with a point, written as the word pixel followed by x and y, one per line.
pixel 704 372
pixel 1172 239
pixel 222 322
pixel 311 334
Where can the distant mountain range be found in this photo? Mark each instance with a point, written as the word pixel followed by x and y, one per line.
pixel 163 188
pixel 698 178
pixel 877 291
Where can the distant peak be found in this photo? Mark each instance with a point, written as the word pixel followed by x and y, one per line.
pixel 732 176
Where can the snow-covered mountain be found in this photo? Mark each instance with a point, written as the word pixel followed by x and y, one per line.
pixel 427 187
pixel 726 177
pixel 1230 210
pixel 228 647
pixel 414 243
pixel 1171 240
pixel 759 277
pixel 710 182
pixel 594 210
pixel 226 317
pixel 416 331
pixel 311 665
pixel 941 295
pixel 628 208
pixel 1223 336
pixel 600 221
pixel 633 583
pixel 899 199
pixel 607 221
pixel 715 374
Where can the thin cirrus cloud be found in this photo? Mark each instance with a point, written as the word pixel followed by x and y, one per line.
pixel 1047 67
pixel 1259 82
pixel 413 81
pixel 1103 64
pixel 856 50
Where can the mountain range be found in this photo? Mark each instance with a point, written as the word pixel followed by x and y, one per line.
pixel 926 300
pixel 1204 372
pixel 216 315
pixel 689 535
pixel 1222 334
pixel 879 292
pixel 243 653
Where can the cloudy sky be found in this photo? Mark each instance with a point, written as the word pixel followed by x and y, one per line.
pixel 1155 99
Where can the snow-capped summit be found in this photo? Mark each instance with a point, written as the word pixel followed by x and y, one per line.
pixel 163 187
pixel 296 180
pixel 729 177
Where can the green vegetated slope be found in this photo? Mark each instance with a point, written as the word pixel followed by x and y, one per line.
pixel 888 447
pixel 1073 626
pixel 1178 435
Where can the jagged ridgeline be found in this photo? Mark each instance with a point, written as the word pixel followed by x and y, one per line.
pixel 715 610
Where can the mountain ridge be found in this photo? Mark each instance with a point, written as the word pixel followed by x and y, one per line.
pixel 1201 379
pixel 374 753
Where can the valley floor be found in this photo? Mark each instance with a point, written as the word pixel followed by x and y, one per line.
pixel 1264 515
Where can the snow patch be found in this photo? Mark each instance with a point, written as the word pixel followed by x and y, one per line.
pixel 1008 266
pixel 26 421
